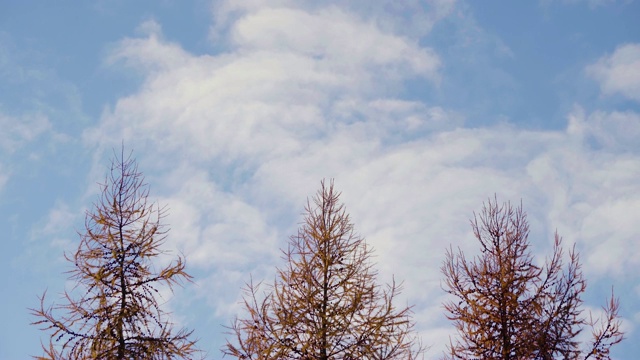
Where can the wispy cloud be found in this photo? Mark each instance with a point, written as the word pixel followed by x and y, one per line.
pixel 619 72
pixel 593 4
pixel 17 131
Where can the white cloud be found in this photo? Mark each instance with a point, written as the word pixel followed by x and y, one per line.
pixel 344 41
pixel 592 187
pixel 593 4
pixel 4 176
pixel 414 18
pixel 58 219
pixel 159 55
pixel 619 73
pixel 614 130
pixel 278 83
pixel 235 143
pixel 57 225
pixel 17 131
pixel 217 229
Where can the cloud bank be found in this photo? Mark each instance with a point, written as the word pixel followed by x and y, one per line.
pixel 234 142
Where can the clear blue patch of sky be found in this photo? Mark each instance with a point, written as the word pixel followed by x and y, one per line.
pixel 523 61
pixel 69 41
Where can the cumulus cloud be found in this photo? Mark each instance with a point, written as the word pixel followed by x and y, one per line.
pixel 345 42
pixel 619 73
pixel 410 17
pixel 235 142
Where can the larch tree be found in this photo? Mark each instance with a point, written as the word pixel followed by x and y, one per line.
pixel 325 303
pixel 505 306
pixel 113 311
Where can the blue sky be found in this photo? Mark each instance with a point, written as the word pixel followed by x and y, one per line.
pixel 236 110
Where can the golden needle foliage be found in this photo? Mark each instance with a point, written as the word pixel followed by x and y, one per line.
pixel 507 307
pixel 325 303
pixel 116 314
